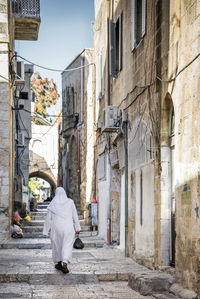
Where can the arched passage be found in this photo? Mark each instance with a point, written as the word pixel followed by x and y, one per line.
pixel 45 176
pixel 141 194
pixel 168 205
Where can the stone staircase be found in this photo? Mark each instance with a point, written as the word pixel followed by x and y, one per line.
pixel 34 239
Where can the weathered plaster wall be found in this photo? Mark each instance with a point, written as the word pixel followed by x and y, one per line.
pixel 184 48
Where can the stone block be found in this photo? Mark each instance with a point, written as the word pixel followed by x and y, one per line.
pixel 4 115
pixel 147 284
pixel 107 276
pixel 4 129
pixel 178 290
pixel 4 172
pixel 4 190
pixel 5 181
pixel 4 200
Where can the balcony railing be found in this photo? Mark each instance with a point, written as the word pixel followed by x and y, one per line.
pixel 27 19
pixel 26 8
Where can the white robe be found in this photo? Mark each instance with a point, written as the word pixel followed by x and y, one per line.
pixel 62 222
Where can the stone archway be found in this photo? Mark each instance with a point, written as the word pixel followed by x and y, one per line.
pixel 45 176
pixel 167 183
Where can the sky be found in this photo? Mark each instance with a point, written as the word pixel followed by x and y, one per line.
pixel 65 30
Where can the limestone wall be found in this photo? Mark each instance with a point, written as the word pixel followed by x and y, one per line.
pixel 184 54
pixel 5 120
pixel 135 89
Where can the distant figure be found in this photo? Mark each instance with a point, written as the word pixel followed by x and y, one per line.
pixel 62 222
pixel 35 203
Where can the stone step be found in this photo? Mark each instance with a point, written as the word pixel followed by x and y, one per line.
pixel 42 207
pixel 40 213
pixel 31 229
pixel 41 222
pixel 45 243
pixel 44 203
pixel 107 263
pixel 42 217
pixel 39 235
pixel 49 279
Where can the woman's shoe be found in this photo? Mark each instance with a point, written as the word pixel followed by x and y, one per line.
pixel 58 266
pixel 64 268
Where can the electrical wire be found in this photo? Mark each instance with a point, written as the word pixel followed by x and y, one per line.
pixel 51 69
pixel 154 81
pixel 132 139
pixel 5 78
pixel 186 66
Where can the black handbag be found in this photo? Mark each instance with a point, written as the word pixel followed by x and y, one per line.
pixel 78 244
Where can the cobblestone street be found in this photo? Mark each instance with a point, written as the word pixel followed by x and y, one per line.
pixel 97 271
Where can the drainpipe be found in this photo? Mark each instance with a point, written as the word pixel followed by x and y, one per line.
pixel 78 158
pixel 125 132
pixel 109 197
pixel 108 52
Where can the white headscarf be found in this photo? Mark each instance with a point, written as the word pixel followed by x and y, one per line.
pixel 59 204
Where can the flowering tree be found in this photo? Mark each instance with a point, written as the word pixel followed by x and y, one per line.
pixel 34 184
pixel 46 93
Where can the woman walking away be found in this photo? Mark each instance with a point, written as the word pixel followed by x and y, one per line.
pixel 62 222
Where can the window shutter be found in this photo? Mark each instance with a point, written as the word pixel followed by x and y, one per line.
pixel 143 17
pixel 120 42
pixel 112 48
pixel 134 23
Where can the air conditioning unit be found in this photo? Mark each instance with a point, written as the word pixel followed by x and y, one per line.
pixel 110 119
pixel 19 77
pixel 20 139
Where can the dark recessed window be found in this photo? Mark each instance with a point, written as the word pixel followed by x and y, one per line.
pixel 138 16
pixel 115 44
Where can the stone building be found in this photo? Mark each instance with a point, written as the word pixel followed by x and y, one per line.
pixel 77 134
pixel 147 146
pixel 44 150
pixel 18 20
pixel 22 130
pixel 183 143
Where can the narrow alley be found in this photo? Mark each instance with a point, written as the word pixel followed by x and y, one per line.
pixel 97 271
pixel 99 135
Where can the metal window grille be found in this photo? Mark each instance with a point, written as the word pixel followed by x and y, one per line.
pixel 28 8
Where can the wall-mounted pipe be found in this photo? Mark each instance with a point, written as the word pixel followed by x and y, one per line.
pixel 125 132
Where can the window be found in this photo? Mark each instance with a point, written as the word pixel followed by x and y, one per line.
pixel 138 17
pixel 115 44
pixel 100 75
pixel 171 121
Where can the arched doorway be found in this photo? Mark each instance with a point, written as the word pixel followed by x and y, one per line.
pixel 141 167
pixel 168 203
pixel 73 171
